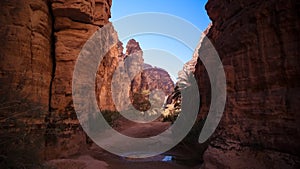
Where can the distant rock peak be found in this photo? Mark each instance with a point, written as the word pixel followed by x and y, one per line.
pixel 133 47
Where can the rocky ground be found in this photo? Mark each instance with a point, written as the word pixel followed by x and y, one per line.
pixel 96 157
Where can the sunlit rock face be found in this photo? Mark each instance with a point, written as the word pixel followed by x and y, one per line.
pixel 113 76
pixel 124 79
pixel 106 71
pixel 144 78
pixel 133 59
pixel 75 21
pixel 41 41
pixel 150 80
pixel 258 44
pixel 96 12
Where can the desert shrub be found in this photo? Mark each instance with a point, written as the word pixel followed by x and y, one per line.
pixel 170 113
pixel 110 116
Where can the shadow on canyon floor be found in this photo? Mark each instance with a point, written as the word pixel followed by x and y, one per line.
pixel 182 156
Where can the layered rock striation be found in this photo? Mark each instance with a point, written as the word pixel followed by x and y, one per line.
pixel 150 80
pixel 126 80
pixel 26 62
pixel 25 75
pixel 41 42
pixel 75 21
pixel 258 44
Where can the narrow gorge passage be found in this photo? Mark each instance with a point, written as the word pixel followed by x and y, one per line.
pixel 257 43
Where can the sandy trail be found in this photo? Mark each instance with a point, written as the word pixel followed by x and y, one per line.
pixel 141 130
pixel 97 158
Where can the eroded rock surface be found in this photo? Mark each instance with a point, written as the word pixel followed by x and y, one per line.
pixel 25 73
pixel 257 41
pixel 150 80
pixel 75 21
pixel 258 44
pixel 121 76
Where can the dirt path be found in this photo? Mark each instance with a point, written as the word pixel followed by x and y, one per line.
pixel 140 130
pixel 96 155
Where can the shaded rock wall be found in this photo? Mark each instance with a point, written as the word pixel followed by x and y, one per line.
pixel 25 67
pixel 258 43
pixel 41 40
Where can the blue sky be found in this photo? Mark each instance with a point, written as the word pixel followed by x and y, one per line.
pixel 192 11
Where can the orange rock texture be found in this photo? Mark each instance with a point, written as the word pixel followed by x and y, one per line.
pixel 26 70
pixel 75 21
pixel 127 75
pixel 258 43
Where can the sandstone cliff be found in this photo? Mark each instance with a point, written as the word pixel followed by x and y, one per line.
pixel 25 78
pixel 122 79
pixel 26 63
pixel 150 79
pixel 144 77
pixel 114 76
pixel 41 40
pixel 106 71
pixel 258 43
pixel 75 21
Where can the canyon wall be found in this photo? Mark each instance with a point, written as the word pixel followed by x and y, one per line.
pixel 123 77
pixel 144 78
pixel 106 71
pixel 41 41
pixel 149 80
pixel 258 43
pixel 114 77
pixel 25 74
pixel 75 21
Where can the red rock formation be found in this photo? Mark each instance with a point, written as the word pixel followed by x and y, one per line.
pixel 155 78
pixel 75 21
pixel 94 12
pixel 26 63
pixel 25 73
pixel 130 78
pixel 133 60
pixel 258 43
pixel 36 84
pixel 105 75
pixel 150 79
pixel 38 54
pixel 114 65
